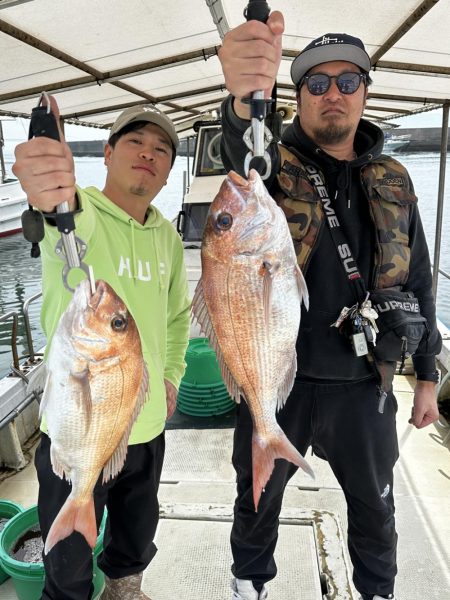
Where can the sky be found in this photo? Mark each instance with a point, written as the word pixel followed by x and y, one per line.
pixel 432 118
pixel 16 130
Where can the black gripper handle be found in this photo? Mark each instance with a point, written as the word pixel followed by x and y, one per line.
pixel 257 10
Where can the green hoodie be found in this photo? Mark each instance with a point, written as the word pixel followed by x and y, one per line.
pixel 144 264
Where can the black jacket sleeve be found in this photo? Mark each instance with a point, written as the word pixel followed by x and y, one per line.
pixel 420 282
pixel 233 148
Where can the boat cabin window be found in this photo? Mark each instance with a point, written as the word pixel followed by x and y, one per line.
pixel 208 157
pixel 191 221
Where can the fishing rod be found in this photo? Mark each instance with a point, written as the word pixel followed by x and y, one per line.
pixel 257 137
pixel 70 248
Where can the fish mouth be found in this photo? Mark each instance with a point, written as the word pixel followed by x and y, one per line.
pixel 95 299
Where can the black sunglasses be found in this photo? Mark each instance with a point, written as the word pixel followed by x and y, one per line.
pixel 319 83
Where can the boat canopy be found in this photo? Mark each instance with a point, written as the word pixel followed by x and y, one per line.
pixel 103 56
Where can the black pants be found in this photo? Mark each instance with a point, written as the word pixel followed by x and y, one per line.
pixel 133 512
pixel 343 425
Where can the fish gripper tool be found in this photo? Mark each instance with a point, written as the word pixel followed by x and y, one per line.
pixel 70 248
pixel 257 137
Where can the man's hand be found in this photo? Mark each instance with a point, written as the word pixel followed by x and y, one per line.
pixel 171 397
pixel 425 409
pixel 250 56
pixel 46 170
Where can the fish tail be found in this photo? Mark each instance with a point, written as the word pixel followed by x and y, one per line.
pixel 73 517
pixel 264 454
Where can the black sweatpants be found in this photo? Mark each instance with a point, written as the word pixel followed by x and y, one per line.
pixel 343 425
pixel 133 512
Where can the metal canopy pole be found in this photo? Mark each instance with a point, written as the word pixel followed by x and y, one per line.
pixel 2 161
pixel 187 162
pixel 441 190
pixel 409 22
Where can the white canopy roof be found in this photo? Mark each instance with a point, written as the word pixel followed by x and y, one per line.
pixel 100 56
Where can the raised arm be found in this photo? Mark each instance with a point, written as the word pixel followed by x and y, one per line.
pixel 250 57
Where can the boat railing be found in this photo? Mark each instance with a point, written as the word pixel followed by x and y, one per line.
pixel 29 360
pixel 26 307
pixel 12 314
pixel 16 393
pixel 444 273
pixel 436 273
pixel 2 159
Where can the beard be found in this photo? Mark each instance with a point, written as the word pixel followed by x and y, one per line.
pixel 331 134
pixel 139 190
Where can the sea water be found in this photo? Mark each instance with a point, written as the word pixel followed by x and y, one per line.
pixel 20 275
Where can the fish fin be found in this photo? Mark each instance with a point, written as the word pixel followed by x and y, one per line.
pixel 230 383
pixel 40 380
pixel 198 307
pixel 302 288
pixel 285 388
pixel 117 460
pixel 264 454
pixel 201 315
pixel 267 291
pixel 46 394
pixel 59 468
pixel 73 517
pixel 82 395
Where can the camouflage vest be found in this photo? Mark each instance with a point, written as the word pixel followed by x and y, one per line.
pixel 387 187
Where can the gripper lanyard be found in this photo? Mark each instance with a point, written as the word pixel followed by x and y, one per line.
pixel 343 250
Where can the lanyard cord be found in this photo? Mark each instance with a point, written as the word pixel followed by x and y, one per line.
pixel 345 255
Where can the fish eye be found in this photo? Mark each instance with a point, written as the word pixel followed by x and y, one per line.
pixel 224 221
pixel 119 322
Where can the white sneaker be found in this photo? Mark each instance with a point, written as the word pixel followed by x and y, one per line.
pixel 243 590
pixel 376 597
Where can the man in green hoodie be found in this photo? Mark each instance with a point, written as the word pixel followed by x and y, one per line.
pixel 138 252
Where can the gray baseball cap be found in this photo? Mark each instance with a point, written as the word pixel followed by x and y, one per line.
pixel 146 112
pixel 327 48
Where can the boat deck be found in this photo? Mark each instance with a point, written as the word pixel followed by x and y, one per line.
pixel 197 493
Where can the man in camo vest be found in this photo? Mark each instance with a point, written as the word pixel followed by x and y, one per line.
pixel 340 405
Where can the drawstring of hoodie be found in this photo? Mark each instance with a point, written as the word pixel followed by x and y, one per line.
pixel 133 250
pixel 344 183
pixel 161 283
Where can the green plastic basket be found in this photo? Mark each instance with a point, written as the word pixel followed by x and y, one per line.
pixel 28 578
pixel 201 363
pixel 202 391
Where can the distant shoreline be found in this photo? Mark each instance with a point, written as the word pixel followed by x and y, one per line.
pixel 422 139
pixel 95 147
